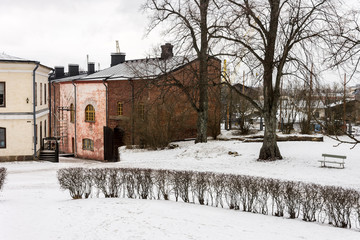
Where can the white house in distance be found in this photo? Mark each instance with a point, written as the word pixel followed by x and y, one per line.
pixel 24 110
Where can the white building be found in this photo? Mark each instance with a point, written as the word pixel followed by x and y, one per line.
pixel 23 107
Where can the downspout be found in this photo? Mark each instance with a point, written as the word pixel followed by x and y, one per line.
pixel 52 84
pixel 34 107
pixel 106 102
pixel 132 112
pixel 75 140
pixel 50 112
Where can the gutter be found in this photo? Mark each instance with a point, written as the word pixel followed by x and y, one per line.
pixel 132 112
pixel 34 107
pixel 49 84
pixel 106 101
pixel 52 84
pixel 75 140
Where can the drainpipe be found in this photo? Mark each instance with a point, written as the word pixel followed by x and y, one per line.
pixel 132 112
pixel 106 101
pixel 75 140
pixel 49 84
pixel 52 84
pixel 34 107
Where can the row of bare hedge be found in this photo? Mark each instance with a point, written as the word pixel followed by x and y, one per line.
pixel 310 202
pixel 2 177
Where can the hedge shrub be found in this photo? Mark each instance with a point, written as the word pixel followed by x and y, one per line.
pixel 337 206
pixel 2 177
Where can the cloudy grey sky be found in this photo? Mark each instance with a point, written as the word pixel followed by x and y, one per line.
pixel 59 32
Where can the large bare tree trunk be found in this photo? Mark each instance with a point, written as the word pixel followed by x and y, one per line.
pixel 270 150
pixel 203 76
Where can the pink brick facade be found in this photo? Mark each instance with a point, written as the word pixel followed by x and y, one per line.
pixel 168 114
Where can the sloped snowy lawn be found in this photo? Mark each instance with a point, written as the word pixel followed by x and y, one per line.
pixel 33 207
pixel 300 161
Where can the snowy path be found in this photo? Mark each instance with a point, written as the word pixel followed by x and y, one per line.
pixel 33 207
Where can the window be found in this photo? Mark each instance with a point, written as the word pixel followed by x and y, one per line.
pixel 2 94
pixel 89 113
pixel 2 137
pixel 35 94
pixel 44 93
pixel 141 111
pixel 40 93
pixel 72 113
pixel 120 108
pixel 88 144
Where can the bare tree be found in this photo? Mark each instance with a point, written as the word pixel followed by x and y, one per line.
pixel 278 39
pixel 188 24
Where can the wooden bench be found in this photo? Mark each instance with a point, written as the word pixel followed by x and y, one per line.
pixel 340 162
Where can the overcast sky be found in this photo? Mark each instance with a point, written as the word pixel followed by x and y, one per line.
pixel 59 32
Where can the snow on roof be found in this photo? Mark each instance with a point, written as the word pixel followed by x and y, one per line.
pixel 6 57
pixel 141 68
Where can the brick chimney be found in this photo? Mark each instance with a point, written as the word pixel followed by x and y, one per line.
pixel 59 72
pixel 167 51
pixel 73 69
pixel 117 58
pixel 91 67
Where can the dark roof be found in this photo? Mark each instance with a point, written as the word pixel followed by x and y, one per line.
pixel 69 79
pixel 134 69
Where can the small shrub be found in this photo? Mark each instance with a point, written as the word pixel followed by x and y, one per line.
pixel 129 182
pixel 162 181
pixel 233 188
pixel 2 177
pixel 108 180
pixel 276 190
pixel 338 205
pixel 200 186
pixel 217 183
pixel 185 185
pixel 73 179
pixel 144 183
pixel 292 198
pixel 311 201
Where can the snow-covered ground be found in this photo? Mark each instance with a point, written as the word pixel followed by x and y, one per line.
pixel 33 207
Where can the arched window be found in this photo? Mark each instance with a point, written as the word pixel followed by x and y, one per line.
pixel 89 113
pixel 72 113
pixel 120 108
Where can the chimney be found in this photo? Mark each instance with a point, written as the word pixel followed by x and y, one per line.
pixel 91 67
pixel 73 70
pixel 167 51
pixel 59 72
pixel 117 58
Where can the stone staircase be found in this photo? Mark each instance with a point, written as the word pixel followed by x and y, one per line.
pixel 48 155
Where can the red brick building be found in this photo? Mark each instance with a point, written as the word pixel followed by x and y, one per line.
pixel 138 102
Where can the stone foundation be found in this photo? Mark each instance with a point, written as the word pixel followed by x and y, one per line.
pixel 16 158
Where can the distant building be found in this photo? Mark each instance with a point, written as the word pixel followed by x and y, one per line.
pixel 130 103
pixel 24 107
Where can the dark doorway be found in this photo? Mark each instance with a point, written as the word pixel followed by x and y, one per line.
pixel 118 140
pixel 113 139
